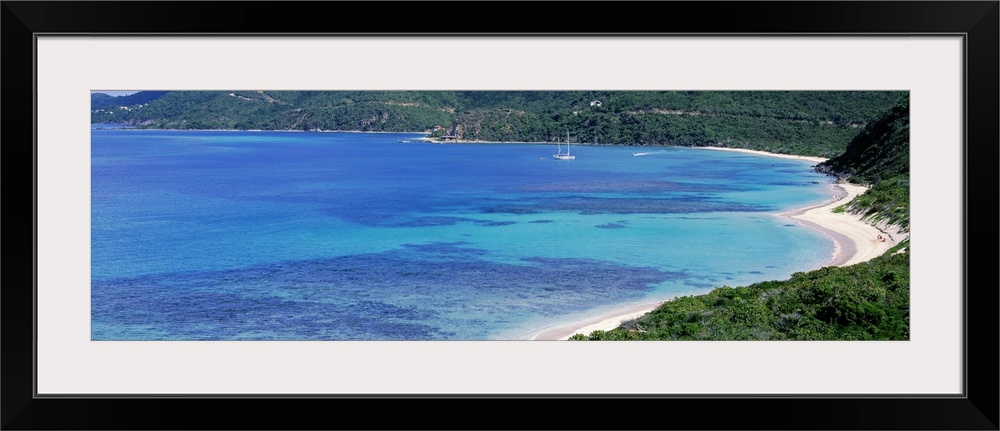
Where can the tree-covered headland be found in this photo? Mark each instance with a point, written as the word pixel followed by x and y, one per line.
pixel 816 123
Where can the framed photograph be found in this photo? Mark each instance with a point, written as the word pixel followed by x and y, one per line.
pixel 211 232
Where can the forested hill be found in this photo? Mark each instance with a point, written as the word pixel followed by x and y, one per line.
pixel 880 152
pixel 99 101
pixel 879 157
pixel 818 123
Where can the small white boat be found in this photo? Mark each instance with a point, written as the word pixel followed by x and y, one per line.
pixel 559 155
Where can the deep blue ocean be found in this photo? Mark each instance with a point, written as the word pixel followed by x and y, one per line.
pixel 215 235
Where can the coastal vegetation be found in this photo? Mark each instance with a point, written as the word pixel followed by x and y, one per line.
pixel 864 301
pixel 879 157
pixel 814 123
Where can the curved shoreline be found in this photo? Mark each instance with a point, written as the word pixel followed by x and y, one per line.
pixel 843 246
pixel 854 241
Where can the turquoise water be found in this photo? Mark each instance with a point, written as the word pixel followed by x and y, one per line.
pixel 211 235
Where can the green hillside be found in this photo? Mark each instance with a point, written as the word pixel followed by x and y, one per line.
pixel 818 123
pixel 879 157
pixel 99 101
pixel 866 301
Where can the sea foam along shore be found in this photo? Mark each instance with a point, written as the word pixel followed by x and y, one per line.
pixel 854 241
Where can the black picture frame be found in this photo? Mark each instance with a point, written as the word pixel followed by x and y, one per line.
pixel 977 21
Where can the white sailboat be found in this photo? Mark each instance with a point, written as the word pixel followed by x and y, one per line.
pixel 560 155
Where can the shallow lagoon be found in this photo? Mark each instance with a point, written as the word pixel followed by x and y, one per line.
pixel 213 235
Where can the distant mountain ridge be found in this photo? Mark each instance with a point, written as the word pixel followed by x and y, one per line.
pixel 794 122
pixel 102 100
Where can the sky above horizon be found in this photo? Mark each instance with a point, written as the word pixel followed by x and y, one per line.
pixel 115 93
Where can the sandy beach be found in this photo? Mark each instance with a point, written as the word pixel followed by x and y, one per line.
pixel 604 322
pixel 765 153
pixel 854 241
